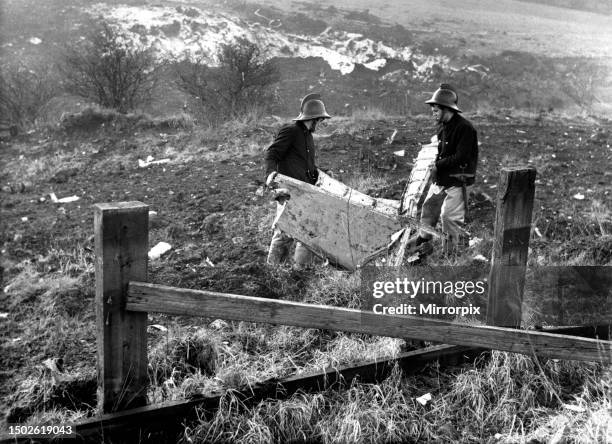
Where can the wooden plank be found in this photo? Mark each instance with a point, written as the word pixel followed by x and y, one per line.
pixel 516 189
pixel 419 181
pixel 121 243
pixel 414 196
pixel 343 229
pixel 146 297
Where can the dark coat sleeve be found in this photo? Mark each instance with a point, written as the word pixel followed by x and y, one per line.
pixel 278 149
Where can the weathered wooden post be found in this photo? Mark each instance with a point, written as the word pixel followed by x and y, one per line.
pixel 515 193
pixel 121 244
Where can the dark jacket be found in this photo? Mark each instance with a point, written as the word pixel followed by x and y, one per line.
pixel 457 151
pixel 292 153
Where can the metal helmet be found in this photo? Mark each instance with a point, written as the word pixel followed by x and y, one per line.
pixel 307 97
pixel 312 109
pixel 445 96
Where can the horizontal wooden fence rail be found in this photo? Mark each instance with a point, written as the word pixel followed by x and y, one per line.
pixel 146 297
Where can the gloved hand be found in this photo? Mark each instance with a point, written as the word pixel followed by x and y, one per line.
pixel 434 174
pixel 281 195
pixel 329 172
pixel 270 179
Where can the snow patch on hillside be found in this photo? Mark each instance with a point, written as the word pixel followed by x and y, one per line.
pixel 177 33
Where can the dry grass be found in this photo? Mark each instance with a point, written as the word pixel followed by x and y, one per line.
pixel 364 413
pixel 95 117
pixel 513 393
pixel 61 328
pixel 369 114
pixel 581 239
pixel 358 120
pixel 508 398
pixel 367 183
pixel 39 169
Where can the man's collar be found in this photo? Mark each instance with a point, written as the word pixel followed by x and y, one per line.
pixel 452 120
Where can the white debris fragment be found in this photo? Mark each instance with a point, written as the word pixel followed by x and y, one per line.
pixel 395 236
pixel 68 199
pixel 537 231
pixel 410 259
pixel 158 250
pixel 158 327
pixel 423 400
pixel 35 41
pixel 474 241
pixel 149 161
pixel 579 196
pixel 391 138
pixel 209 262
pixel 400 153
pixel 480 258
pixel 53 364
pixel 219 324
pixel 3 315
pixel 574 408
pixel 24 219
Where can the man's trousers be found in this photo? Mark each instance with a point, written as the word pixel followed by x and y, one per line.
pixel 445 204
pixel 281 244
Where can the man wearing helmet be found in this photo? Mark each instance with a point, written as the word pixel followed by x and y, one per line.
pixel 455 168
pixel 293 154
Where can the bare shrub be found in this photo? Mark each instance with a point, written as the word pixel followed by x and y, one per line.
pixel 583 80
pixel 23 92
pixel 108 68
pixel 240 84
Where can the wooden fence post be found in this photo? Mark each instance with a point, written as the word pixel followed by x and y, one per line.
pixel 515 193
pixel 121 245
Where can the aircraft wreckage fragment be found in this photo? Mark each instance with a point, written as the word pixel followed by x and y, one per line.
pixel 351 228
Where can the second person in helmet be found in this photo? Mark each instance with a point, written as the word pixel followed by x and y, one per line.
pixel 455 168
pixel 293 154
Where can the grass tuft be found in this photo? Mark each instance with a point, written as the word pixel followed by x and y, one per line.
pixel 177 357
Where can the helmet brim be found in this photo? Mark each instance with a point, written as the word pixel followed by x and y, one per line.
pixel 445 105
pixel 303 116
